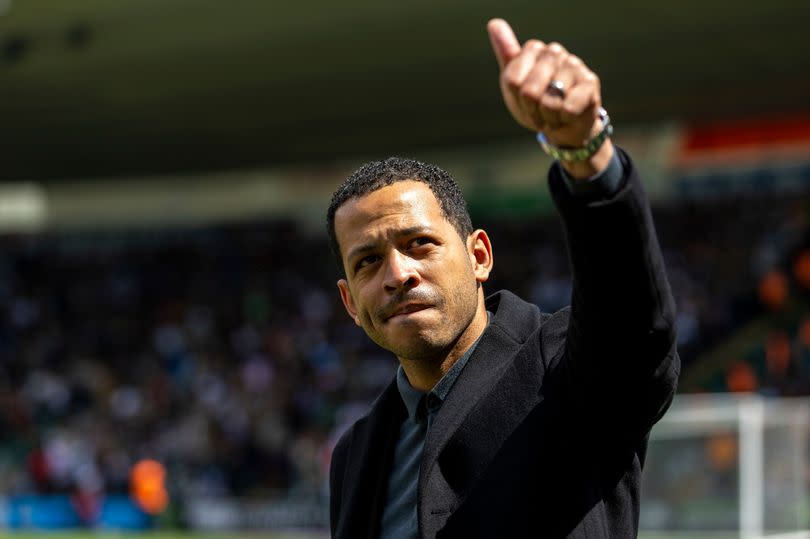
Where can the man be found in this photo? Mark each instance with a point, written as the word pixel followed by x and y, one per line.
pixel 504 421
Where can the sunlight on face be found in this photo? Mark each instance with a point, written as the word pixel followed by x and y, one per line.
pixel 409 275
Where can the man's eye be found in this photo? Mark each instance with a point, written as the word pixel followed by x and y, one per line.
pixel 418 242
pixel 366 261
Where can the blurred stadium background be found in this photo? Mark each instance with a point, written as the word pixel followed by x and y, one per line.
pixel 173 355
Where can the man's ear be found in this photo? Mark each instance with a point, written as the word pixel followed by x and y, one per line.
pixel 480 250
pixel 348 302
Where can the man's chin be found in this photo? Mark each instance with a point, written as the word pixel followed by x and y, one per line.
pixel 422 325
pixel 415 341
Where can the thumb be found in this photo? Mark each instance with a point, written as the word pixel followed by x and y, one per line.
pixel 503 39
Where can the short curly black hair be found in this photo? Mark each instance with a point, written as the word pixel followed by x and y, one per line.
pixel 378 174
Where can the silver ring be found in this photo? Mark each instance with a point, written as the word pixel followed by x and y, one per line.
pixel 557 87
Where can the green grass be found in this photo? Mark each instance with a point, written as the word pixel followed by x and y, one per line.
pixel 162 535
pixel 235 535
pixel 263 535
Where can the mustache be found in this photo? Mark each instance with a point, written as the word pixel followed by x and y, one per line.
pixel 421 296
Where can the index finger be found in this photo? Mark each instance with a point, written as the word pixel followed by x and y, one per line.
pixel 504 42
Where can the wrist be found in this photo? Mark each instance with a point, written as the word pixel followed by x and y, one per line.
pixel 596 164
pixel 588 157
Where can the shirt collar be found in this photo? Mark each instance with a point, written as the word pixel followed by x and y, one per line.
pixel 412 397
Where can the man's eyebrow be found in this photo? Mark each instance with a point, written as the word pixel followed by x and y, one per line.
pixel 367 247
pixel 413 230
pixel 360 250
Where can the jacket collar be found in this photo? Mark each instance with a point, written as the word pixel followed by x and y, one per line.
pixel 500 381
pixel 372 443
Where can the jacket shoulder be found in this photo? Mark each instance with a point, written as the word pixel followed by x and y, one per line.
pixel 360 460
pixel 513 316
pixel 360 427
pixel 522 322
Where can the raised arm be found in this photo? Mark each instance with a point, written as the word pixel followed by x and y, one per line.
pixel 619 358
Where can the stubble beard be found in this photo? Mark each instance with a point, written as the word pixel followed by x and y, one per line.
pixel 433 344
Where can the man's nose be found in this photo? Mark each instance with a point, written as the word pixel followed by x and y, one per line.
pixel 400 272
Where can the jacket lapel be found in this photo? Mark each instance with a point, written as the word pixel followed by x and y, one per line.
pixel 496 390
pixel 369 466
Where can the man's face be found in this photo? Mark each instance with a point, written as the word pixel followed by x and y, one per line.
pixel 411 280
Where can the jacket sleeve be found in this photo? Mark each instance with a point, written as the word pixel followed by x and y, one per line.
pixel 619 357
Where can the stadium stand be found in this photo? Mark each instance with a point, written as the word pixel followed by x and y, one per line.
pixel 224 353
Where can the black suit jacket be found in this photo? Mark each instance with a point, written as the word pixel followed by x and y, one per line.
pixel 545 431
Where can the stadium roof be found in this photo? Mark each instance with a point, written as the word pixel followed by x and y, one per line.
pixel 131 87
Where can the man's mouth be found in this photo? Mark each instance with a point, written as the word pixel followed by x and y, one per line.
pixel 410 308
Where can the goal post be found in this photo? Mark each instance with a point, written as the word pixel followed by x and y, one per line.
pixel 737 463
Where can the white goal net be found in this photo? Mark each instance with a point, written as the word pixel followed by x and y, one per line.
pixel 729 464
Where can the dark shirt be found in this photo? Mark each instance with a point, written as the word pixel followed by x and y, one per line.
pixel 399 515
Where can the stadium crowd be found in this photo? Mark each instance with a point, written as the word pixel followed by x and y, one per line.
pixel 224 352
